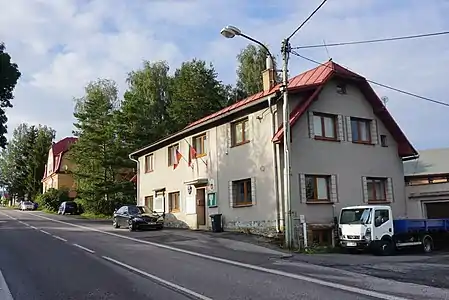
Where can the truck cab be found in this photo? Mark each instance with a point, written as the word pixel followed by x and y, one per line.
pixel 365 226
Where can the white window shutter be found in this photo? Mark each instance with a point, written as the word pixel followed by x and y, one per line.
pixel 333 189
pixel 311 129
pixel 229 135
pixel 365 189
pixel 253 190
pixel 390 197
pixel 231 194
pixel 340 128
pixel 348 129
pixel 251 127
pixel 374 137
pixel 302 186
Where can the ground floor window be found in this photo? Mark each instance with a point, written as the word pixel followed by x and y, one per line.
pixel 320 237
pixel 173 202
pixel 149 202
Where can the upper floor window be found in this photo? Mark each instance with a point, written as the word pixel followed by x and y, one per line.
pixel 240 132
pixel 361 130
pixel 377 189
pixel 200 145
pixel 325 126
pixel 172 154
pixel 149 163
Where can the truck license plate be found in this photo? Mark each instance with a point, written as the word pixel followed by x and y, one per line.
pixel 351 244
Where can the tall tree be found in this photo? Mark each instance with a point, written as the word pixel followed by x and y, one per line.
pixel 195 93
pixel 251 64
pixel 98 151
pixel 9 75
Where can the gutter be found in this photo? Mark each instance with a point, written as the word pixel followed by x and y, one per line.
pixel 188 129
pixel 137 177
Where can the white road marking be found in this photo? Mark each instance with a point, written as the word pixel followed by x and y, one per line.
pixel 46 232
pixel 84 248
pixel 59 238
pixel 5 293
pixel 155 278
pixel 338 286
pixel 33 227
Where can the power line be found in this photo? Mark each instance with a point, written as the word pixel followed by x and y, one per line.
pixel 379 84
pixel 306 20
pixel 375 40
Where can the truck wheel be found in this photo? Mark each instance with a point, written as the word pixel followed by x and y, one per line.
pixel 386 247
pixel 427 244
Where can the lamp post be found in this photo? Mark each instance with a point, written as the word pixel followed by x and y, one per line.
pixel 232 31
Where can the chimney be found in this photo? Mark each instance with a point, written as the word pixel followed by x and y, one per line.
pixel 268 75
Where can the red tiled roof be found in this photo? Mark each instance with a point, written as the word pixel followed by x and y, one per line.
pixel 58 149
pixel 324 73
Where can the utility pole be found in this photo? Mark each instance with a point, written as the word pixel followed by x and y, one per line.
pixel 288 224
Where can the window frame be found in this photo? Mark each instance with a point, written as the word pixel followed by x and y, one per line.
pixel 245 139
pixel 149 199
pixel 322 117
pixel 247 191
pixel 373 197
pixel 147 169
pixel 203 138
pixel 171 153
pixel 315 188
pixel 177 201
pixel 360 121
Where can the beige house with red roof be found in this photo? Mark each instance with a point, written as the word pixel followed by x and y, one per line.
pixel 58 168
pixel 346 149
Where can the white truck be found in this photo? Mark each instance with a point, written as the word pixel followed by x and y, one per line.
pixel 373 227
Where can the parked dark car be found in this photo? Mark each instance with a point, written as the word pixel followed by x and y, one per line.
pixel 68 207
pixel 136 217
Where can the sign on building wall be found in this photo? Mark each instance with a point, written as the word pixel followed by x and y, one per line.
pixel 211 199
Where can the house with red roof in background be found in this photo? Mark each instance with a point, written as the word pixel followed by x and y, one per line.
pixel 58 170
pixel 346 149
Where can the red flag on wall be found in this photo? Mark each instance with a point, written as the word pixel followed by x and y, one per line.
pixel 192 155
pixel 178 157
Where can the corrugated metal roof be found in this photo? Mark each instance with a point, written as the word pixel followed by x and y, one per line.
pixel 430 162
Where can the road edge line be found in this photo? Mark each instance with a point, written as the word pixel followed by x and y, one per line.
pixel 84 248
pixel 4 289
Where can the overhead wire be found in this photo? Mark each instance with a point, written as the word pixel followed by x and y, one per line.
pixel 416 36
pixel 306 20
pixel 379 84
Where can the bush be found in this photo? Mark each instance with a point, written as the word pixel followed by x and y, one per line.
pixel 52 199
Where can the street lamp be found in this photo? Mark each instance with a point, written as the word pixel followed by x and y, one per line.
pixel 232 31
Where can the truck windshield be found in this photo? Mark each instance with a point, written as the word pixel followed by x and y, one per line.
pixel 356 216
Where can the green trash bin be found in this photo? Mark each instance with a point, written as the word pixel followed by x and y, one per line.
pixel 216 222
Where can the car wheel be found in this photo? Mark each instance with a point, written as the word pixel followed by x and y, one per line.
pixel 115 223
pixel 427 245
pixel 386 248
pixel 131 226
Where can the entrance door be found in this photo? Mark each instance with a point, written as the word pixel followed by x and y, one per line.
pixel 201 206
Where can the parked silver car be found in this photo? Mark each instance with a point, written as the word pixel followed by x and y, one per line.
pixel 26 205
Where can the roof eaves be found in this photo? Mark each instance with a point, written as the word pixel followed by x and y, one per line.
pixel 189 129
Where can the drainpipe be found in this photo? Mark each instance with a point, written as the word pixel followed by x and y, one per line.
pixel 275 167
pixel 137 177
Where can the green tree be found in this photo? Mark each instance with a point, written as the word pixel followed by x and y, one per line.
pixel 98 153
pixel 195 93
pixel 251 64
pixel 9 75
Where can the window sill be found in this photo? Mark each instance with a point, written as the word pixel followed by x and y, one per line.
pixel 319 202
pixel 200 155
pixel 174 211
pixel 378 202
pixel 242 205
pixel 327 139
pixel 363 143
pixel 239 144
pixel 146 172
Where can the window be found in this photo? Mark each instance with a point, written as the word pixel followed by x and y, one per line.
pixel 377 189
pixel 173 202
pixel 320 237
pixel 361 130
pixel 381 216
pixel 325 126
pixel 199 143
pixel 383 140
pixel 242 193
pixel 149 202
pixel 341 88
pixel 172 154
pixel 317 188
pixel 240 132
pixel 149 163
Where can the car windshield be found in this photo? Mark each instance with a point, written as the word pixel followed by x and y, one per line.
pixel 70 204
pixel 28 202
pixel 144 210
pixel 356 216
pixel 133 210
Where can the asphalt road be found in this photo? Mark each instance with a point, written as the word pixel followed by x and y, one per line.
pixel 43 258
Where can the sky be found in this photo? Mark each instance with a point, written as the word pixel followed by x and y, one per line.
pixel 61 45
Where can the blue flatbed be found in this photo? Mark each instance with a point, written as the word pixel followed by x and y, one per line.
pixel 420 225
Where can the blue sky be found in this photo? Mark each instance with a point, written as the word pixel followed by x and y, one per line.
pixel 61 45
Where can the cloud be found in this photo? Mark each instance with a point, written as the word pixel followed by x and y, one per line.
pixel 61 45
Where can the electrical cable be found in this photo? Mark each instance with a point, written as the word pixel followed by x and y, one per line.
pixel 306 20
pixel 377 83
pixel 375 40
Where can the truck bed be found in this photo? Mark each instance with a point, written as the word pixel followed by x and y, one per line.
pixel 420 225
